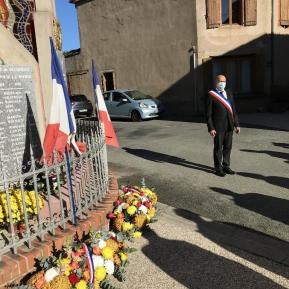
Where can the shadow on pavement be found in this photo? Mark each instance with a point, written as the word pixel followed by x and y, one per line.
pixel 282 145
pixel 268 206
pixel 164 158
pixel 259 126
pixel 273 180
pixel 197 268
pixel 242 242
pixel 274 154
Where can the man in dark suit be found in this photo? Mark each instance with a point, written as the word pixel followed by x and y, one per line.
pixel 222 120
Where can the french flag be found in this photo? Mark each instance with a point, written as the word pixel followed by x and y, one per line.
pixel 61 122
pixel 110 136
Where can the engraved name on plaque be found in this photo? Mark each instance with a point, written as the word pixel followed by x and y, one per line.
pixel 17 108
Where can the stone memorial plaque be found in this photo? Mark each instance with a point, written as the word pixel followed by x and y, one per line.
pixel 18 129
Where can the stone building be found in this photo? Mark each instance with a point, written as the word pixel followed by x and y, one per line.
pixel 25 28
pixel 172 50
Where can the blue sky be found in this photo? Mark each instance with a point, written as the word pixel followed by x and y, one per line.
pixel 67 16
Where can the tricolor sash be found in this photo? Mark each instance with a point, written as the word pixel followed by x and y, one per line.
pixel 222 100
pixel 90 265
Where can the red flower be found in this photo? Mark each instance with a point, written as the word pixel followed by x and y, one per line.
pixel 76 254
pixel 110 216
pixel 141 194
pixel 148 204
pixel 138 204
pixel 73 278
pixel 117 203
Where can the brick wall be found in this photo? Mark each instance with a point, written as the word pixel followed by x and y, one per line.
pixel 13 267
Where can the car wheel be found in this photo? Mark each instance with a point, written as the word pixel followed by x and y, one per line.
pixel 135 116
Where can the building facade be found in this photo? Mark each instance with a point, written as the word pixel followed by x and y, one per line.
pixel 25 28
pixel 172 50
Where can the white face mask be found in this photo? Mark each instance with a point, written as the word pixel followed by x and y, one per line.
pixel 221 85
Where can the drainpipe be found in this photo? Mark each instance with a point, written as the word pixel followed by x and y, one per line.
pixel 272 50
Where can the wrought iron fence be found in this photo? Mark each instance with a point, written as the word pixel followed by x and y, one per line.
pixel 48 196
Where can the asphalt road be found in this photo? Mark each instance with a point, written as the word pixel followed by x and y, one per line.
pixel 176 159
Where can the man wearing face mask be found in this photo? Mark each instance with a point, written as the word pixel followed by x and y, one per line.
pixel 222 120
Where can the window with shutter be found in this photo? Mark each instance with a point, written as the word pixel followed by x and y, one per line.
pixel 213 13
pixel 284 13
pixel 228 12
pixel 250 15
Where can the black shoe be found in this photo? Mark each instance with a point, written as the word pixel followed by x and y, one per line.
pixel 220 172
pixel 228 171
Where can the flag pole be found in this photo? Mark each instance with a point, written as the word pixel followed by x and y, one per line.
pixel 70 189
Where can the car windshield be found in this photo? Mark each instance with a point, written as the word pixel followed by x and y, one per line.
pixel 78 98
pixel 136 95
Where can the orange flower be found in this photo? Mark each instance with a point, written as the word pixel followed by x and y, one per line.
pixel 40 282
pixel 96 251
pixel 74 265
pixel 86 275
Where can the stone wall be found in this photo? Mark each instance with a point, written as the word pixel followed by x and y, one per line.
pixel 148 44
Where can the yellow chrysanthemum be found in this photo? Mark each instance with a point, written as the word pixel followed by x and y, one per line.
pixel 64 261
pixel 137 234
pixel 126 226
pixel 151 212
pixel 100 274
pixel 107 253
pixel 60 282
pixel 140 221
pixel 112 244
pixel 81 284
pixel 131 210
pixel 96 284
pixel 67 271
pixel 123 256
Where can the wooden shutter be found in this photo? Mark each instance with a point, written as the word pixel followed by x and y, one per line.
pixel 284 12
pixel 213 13
pixel 250 13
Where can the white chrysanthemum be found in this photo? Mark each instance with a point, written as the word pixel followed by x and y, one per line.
pixel 98 261
pixel 101 244
pixel 109 266
pixel 144 199
pixel 112 234
pixel 143 209
pixel 50 274
pixel 119 208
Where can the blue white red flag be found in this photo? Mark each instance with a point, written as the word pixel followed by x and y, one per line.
pixel 110 136
pixel 61 121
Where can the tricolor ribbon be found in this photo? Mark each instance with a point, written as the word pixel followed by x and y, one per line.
pixel 90 265
pixel 222 100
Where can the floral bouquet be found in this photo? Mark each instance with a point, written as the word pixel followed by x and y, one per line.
pixel 134 209
pixel 16 204
pixel 83 265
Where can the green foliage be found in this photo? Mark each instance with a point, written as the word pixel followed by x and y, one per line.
pixel 96 236
pixel 129 250
pixel 46 263
pixel 14 286
pixel 107 285
pixel 119 273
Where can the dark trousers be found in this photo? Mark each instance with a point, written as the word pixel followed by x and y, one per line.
pixel 222 149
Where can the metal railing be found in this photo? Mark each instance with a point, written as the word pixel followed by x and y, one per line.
pixel 47 196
